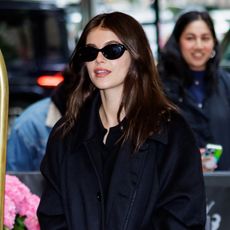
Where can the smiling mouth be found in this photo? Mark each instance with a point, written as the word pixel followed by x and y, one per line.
pixel 102 73
pixel 197 55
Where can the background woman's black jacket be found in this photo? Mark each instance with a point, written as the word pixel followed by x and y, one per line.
pixel 211 123
pixel 159 188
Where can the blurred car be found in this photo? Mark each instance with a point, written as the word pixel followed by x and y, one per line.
pixel 34 43
pixel 225 48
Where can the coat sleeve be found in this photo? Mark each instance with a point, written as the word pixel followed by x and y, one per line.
pixel 182 202
pixel 51 211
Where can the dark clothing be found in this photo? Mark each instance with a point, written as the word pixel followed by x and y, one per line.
pixel 197 89
pixel 107 152
pixel 211 121
pixel 158 188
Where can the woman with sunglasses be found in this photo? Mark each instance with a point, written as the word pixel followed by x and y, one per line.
pixel 121 158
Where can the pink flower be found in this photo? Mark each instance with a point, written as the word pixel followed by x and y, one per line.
pixel 29 210
pixel 16 190
pixel 32 223
pixel 19 200
pixel 9 212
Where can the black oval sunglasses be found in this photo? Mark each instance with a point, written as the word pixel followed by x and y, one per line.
pixel 111 52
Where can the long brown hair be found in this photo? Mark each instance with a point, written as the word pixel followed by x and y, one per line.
pixel 143 98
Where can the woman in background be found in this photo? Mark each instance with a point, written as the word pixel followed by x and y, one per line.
pixel 193 80
pixel 122 158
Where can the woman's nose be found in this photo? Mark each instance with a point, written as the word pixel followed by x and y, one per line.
pixel 199 43
pixel 100 57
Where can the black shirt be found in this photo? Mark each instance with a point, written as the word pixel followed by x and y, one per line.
pixel 109 152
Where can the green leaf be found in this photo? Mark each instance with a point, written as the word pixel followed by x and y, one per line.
pixel 19 223
pixel 5 228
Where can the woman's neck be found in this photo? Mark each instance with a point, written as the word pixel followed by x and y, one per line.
pixel 109 109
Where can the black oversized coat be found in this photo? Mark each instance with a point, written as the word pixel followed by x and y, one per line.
pixel 159 188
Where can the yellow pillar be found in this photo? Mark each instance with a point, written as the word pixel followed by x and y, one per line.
pixel 4 102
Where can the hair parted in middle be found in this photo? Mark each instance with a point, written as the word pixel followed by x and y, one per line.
pixel 143 98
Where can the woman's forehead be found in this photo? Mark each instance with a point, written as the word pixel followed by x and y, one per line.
pixel 197 26
pixel 100 35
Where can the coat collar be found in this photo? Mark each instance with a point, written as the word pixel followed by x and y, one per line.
pixel 88 127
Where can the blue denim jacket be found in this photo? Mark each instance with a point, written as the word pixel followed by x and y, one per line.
pixel 29 135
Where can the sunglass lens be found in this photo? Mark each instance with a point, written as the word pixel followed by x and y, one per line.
pixel 88 53
pixel 113 51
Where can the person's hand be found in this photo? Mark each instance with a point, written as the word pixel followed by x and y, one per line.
pixel 208 162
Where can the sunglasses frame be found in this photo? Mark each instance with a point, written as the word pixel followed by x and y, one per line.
pixel 82 53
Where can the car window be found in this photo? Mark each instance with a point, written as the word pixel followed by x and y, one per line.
pixel 34 43
pixel 30 35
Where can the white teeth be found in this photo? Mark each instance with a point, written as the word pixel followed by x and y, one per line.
pixel 198 55
pixel 101 71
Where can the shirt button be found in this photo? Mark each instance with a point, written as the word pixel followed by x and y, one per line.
pixel 180 99
pixel 99 196
pixel 196 82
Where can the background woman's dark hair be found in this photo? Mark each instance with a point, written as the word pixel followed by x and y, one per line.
pixel 171 62
pixel 143 98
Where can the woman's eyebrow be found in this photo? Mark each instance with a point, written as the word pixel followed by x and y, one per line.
pixel 105 44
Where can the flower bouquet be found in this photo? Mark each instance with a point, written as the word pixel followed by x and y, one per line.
pixel 20 206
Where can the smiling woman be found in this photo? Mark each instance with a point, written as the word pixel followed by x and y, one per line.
pixel 193 80
pixel 197 45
